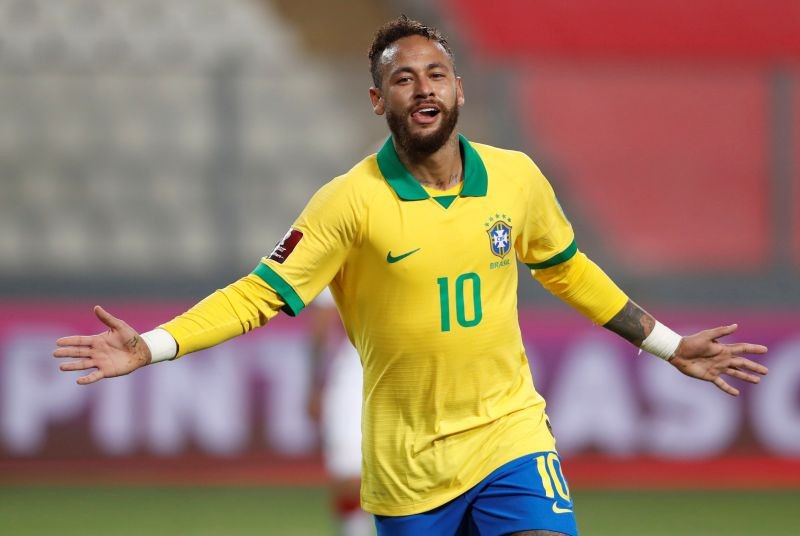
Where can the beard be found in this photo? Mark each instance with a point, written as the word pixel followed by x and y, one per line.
pixel 420 146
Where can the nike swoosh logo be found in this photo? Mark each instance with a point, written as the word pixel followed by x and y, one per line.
pixel 558 510
pixel 391 260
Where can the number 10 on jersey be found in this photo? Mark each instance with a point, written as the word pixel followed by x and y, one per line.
pixel 468 283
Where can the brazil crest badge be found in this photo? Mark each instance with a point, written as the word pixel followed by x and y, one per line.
pixel 499 238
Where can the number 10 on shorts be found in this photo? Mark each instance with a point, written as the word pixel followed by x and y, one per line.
pixel 553 480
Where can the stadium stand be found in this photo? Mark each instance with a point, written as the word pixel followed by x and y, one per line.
pixel 143 135
pixel 642 153
pixel 653 134
pixel 142 138
pixel 745 30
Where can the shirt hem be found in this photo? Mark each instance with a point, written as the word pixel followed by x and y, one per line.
pixel 421 507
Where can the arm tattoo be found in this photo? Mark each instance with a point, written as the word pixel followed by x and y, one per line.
pixel 632 323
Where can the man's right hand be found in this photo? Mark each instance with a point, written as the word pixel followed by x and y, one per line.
pixel 116 352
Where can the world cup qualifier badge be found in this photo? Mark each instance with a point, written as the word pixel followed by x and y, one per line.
pixel 499 231
pixel 285 247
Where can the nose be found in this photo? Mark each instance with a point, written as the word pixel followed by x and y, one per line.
pixel 424 88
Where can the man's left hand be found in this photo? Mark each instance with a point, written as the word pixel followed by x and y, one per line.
pixel 702 356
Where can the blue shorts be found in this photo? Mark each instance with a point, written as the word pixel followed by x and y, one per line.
pixel 529 493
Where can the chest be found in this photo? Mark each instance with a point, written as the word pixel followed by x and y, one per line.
pixel 410 239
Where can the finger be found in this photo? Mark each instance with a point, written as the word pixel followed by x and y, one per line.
pixel 75 340
pixel 747 348
pixel 73 351
pixel 722 384
pixel 91 378
pixel 716 333
pixel 83 364
pixel 107 319
pixel 740 374
pixel 744 363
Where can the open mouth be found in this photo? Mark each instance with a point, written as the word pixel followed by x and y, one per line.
pixel 426 114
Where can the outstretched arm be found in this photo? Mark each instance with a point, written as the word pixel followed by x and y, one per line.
pixel 699 356
pixel 547 245
pixel 583 285
pixel 234 310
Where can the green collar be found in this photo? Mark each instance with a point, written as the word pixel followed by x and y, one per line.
pixel 408 188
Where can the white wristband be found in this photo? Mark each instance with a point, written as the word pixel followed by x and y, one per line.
pixel 162 345
pixel 662 342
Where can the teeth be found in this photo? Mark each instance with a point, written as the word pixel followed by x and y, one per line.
pixel 426 110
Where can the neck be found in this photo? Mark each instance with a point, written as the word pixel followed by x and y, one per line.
pixel 441 170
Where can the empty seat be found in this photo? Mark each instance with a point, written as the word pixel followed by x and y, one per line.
pixel 670 167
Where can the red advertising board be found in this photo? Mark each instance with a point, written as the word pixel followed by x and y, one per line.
pixel 236 412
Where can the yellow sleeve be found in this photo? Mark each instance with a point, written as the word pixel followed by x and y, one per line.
pixel 238 308
pixel 547 245
pixel 316 246
pixel 547 237
pixel 582 284
pixel 299 267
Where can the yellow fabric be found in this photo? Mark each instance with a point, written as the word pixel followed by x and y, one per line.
pixel 546 232
pixel 442 409
pixel 238 308
pixel 433 192
pixel 582 284
pixel 428 296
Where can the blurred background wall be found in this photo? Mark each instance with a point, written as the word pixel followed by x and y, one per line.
pixel 151 151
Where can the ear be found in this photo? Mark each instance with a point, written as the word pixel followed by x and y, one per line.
pixel 376 96
pixel 460 100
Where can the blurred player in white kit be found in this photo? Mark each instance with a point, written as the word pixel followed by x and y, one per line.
pixel 335 404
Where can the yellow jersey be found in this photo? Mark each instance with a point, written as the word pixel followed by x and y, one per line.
pixel 427 291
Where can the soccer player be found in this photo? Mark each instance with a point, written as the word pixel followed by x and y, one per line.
pixel 418 243
pixel 335 404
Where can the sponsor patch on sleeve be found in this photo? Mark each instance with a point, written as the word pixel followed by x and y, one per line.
pixel 285 247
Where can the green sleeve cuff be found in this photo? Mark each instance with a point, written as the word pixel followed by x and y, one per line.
pixel 293 303
pixel 564 256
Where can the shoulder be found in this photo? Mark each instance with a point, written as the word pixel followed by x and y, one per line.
pixel 355 185
pixel 513 165
pixel 347 196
